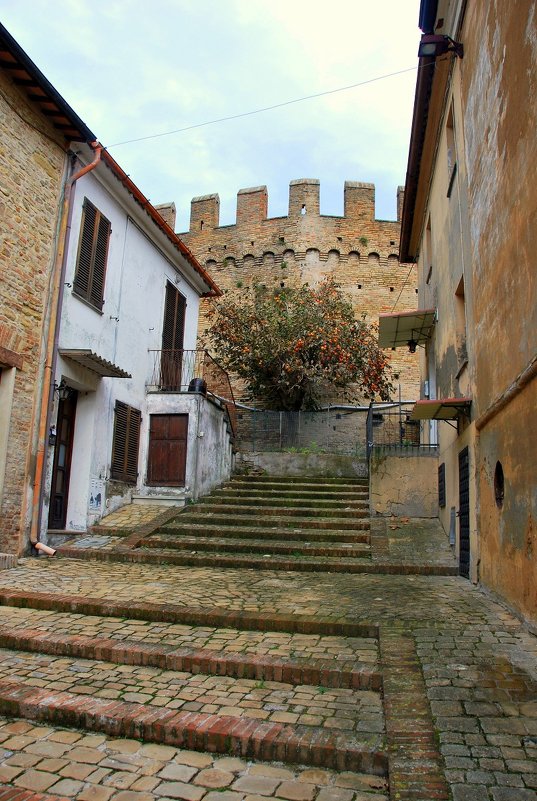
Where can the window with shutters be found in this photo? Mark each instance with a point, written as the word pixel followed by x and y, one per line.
pixel 125 444
pixel 173 330
pixel 92 255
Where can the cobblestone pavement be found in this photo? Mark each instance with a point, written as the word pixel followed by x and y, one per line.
pixel 98 768
pixel 449 655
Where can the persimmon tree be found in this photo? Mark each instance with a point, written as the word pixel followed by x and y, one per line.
pixel 290 346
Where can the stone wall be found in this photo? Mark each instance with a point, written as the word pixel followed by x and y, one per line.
pixel 360 251
pixel 31 167
pixel 403 483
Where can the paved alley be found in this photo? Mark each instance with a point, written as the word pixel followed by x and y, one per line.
pixel 281 684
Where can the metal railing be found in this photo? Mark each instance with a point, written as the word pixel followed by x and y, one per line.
pixel 390 426
pixel 192 371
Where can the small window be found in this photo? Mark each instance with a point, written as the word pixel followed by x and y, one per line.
pixel 499 485
pixel 92 256
pixel 442 485
pixel 125 444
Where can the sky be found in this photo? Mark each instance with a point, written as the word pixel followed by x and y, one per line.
pixel 133 69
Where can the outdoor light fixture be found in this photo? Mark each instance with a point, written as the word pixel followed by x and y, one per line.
pixel 64 392
pixel 52 435
pixel 412 345
pixel 434 45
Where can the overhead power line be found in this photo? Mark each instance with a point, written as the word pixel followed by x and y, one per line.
pixel 266 108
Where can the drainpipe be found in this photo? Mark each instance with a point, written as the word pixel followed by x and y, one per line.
pixel 52 349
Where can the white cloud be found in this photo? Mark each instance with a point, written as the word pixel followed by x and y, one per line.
pixel 130 70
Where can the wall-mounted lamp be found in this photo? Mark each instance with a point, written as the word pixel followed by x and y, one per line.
pixel 64 392
pixel 434 45
pixel 52 435
pixel 412 345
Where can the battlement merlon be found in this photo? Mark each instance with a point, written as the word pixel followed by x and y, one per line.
pixel 252 205
pixel 304 199
pixel 204 213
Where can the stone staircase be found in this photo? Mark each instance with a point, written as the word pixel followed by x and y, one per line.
pixel 271 522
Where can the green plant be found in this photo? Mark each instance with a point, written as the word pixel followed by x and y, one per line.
pixel 259 685
pixel 321 690
pixel 239 284
pixel 283 265
pixel 364 241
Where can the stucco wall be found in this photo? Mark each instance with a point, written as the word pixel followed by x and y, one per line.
pixel 500 120
pixel 403 484
pixel 32 161
pixel 125 333
pixel 358 250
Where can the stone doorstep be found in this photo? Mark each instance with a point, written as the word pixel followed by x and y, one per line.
pixel 313 672
pixel 315 565
pixel 243 737
pixel 192 616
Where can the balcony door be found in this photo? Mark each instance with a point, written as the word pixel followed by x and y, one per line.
pixel 173 332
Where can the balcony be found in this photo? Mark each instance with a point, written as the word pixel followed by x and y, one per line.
pixel 192 371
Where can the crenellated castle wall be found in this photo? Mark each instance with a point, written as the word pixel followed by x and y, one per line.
pixel 360 251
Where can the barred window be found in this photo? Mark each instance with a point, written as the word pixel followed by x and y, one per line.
pixel 442 485
pixel 92 256
pixel 125 443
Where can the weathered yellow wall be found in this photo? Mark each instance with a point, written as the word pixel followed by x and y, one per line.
pixel 404 485
pixel 500 119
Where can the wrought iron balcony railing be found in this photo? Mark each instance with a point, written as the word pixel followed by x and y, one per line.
pixel 191 371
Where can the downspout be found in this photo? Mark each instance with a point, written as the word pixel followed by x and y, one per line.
pixel 53 333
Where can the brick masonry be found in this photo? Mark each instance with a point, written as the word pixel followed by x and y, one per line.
pixel 31 170
pixel 360 251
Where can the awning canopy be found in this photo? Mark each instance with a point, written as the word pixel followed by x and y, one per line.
pixel 92 361
pixel 399 329
pixel 440 408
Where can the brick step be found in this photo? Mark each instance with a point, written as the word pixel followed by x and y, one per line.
pixel 232 508
pixel 191 616
pixel 338 651
pixel 256 532
pixel 273 492
pixel 291 503
pixel 10 793
pixel 309 480
pixel 223 544
pixel 163 556
pixel 270 741
pixel 250 519
pixel 329 673
pixel 347 710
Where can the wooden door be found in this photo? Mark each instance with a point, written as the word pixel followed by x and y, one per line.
pixel 464 514
pixel 167 450
pixel 61 470
pixel 173 331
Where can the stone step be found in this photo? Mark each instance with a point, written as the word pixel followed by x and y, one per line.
pixel 179 614
pixel 255 532
pixel 311 480
pixel 273 492
pixel 325 672
pixel 217 506
pixel 250 519
pixel 224 498
pixel 198 731
pixel 349 710
pixel 233 545
pixel 267 561
pixel 340 651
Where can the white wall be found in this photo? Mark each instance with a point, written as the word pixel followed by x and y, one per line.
pixel 136 276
